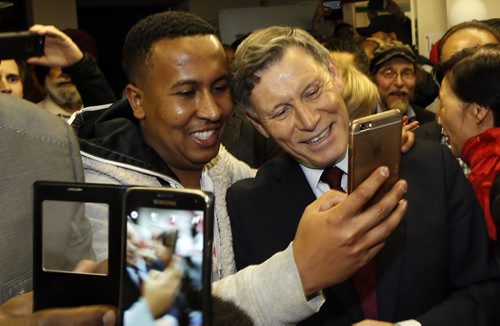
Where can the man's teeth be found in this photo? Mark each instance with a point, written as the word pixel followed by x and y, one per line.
pixel 318 138
pixel 204 134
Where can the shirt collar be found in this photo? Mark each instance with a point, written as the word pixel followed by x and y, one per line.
pixel 313 175
pixel 410 113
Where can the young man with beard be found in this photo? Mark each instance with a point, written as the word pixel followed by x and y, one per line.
pixel 393 69
pixel 434 269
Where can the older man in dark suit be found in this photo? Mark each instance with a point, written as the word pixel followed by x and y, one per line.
pixel 435 268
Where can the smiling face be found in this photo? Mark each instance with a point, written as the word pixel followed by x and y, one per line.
pixel 183 101
pixel 396 81
pixel 299 106
pixel 458 119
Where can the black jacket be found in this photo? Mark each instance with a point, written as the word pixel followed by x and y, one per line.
pixel 90 82
pixel 113 134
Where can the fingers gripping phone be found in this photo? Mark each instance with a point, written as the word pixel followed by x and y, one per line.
pixel 375 141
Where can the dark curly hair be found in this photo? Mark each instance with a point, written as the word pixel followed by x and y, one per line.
pixel 143 35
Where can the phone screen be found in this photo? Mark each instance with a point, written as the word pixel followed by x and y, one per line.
pixel 21 45
pixel 160 238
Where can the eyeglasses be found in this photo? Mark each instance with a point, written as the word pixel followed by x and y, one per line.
pixel 391 74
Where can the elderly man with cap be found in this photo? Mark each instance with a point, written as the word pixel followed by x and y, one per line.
pixel 393 68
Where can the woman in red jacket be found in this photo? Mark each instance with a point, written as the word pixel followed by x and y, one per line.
pixel 470 116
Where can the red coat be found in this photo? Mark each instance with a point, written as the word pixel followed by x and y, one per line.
pixel 482 155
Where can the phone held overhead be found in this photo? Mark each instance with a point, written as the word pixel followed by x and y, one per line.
pixel 21 45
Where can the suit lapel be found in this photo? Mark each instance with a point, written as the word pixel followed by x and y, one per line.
pixel 388 264
pixel 290 193
pixel 346 295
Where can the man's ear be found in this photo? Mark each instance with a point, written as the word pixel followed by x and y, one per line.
pixel 258 125
pixel 335 73
pixel 134 96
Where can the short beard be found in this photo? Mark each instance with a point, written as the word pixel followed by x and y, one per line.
pixel 401 106
pixel 67 98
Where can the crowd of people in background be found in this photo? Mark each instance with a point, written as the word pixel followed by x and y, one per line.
pixel 262 120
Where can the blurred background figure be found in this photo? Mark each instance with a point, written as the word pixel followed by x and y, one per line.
pixel 69 71
pixel 62 96
pixel 10 78
pixel 17 78
pixel 394 26
pixel 349 50
pixel 393 69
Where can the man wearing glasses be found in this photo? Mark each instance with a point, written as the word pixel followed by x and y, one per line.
pixel 393 68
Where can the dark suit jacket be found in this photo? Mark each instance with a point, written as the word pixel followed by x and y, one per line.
pixel 435 267
pixel 244 142
pixel 422 115
pixel 429 131
pixel 495 212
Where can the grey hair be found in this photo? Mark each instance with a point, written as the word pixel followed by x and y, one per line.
pixel 260 50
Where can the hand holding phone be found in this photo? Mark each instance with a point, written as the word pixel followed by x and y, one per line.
pixel 375 141
pixel 21 45
pixel 169 237
pixel 154 237
pixel 59 48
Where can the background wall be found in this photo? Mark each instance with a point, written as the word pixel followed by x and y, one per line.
pixel 61 13
pixel 432 21
pixel 234 22
pixel 493 7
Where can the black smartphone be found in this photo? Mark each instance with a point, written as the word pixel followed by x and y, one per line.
pixel 168 228
pixel 21 45
pixel 335 8
pixel 374 141
pixel 77 236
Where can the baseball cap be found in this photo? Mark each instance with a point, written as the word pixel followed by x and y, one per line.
pixel 389 51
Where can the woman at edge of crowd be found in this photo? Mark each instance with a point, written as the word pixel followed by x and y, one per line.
pixel 470 117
